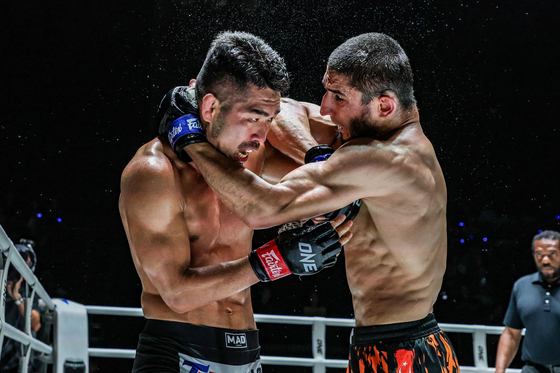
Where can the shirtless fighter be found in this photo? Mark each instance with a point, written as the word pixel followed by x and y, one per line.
pixel 397 258
pixel 192 254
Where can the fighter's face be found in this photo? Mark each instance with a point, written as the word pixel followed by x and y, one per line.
pixel 547 258
pixel 242 127
pixel 343 104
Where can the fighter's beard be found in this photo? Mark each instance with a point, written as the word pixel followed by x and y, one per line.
pixel 360 126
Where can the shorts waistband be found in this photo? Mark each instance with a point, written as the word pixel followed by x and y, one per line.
pixel 377 334
pixel 205 336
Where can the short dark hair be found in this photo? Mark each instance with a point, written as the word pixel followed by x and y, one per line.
pixel 240 59
pixel 375 63
pixel 546 235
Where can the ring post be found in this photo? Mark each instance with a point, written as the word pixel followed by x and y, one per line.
pixel 318 344
pixel 479 350
pixel 70 337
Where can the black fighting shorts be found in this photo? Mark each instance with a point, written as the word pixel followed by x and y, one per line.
pixel 417 346
pixel 167 346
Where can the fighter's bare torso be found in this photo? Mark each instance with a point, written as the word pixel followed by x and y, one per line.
pixel 215 236
pixel 396 259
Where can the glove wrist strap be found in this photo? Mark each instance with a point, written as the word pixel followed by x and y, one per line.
pixel 185 125
pixel 318 153
pixel 267 262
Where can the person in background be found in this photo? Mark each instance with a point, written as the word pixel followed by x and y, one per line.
pixel 15 309
pixel 535 306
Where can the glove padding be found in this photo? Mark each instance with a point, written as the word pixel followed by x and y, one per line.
pixel 178 119
pixel 322 153
pixel 302 251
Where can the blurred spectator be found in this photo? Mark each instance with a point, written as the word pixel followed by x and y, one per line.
pixel 15 310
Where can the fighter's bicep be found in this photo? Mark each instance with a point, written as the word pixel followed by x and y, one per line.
pixel 156 228
pixel 318 188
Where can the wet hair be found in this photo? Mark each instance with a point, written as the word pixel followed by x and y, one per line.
pixel 237 59
pixel 546 235
pixel 375 63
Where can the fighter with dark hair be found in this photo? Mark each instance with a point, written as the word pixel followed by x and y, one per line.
pixel 193 255
pixel 397 257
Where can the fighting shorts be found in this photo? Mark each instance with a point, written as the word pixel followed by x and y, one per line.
pixel 167 346
pixel 417 346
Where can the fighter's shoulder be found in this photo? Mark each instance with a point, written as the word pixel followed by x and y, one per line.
pixel 407 159
pixel 149 168
pixel 148 161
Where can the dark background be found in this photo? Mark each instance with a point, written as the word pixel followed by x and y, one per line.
pixel 80 82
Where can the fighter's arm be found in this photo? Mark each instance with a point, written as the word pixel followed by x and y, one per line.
pixel 151 206
pixel 363 169
pixel 507 348
pixel 299 127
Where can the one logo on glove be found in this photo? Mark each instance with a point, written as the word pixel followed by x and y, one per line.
pixel 182 126
pixel 305 251
pixel 236 340
pixel 273 265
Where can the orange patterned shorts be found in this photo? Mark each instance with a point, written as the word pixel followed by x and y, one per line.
pixel 412 347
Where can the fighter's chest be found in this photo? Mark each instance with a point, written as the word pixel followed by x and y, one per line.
pixel 215 233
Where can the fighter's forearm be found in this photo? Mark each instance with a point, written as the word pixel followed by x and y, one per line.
pixel 255 201
pixel 290 132
pixel 201 286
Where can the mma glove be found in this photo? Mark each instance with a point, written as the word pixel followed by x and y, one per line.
pixel 303 251
pixel 178 119
pixel 322 153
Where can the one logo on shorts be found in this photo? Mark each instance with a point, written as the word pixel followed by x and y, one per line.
pixel 236 340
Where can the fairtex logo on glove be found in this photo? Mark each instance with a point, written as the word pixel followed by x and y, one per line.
pixel 182 126
pixel 271 260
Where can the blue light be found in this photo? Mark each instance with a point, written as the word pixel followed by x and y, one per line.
pixel 471 236
pixel 461 224
pixel 59 220
pixel 39 215
pixel 462 240
pixel 485 239
pixel 539 231
pixel 557 217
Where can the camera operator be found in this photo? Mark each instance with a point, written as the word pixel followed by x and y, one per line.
pixel 15 309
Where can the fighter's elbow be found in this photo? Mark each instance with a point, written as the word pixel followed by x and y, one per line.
pixel 179 304
pixel 261 220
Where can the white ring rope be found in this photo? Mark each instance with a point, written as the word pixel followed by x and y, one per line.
pixel 319 362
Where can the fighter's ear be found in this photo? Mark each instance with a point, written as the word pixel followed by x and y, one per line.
pixel 386 105
pixel 209 104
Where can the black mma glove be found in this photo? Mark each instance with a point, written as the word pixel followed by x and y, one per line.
pixel 322 153
pixel 178 119
pixel 302 251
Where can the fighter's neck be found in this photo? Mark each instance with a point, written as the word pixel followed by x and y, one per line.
pixel 402 120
